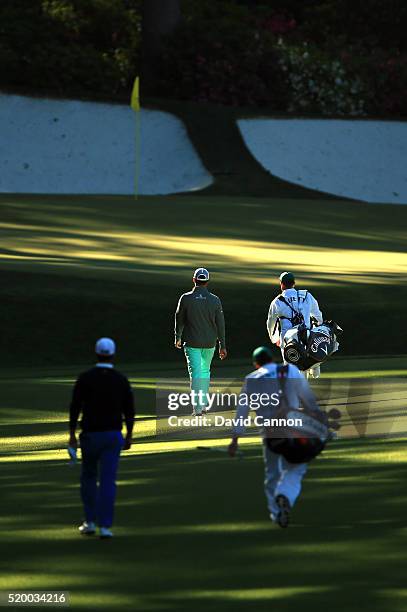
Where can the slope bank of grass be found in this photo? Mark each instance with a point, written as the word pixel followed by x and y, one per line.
pixel 216 137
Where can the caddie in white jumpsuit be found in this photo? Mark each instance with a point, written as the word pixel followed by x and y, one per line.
pixel 283 311
pixel 282 482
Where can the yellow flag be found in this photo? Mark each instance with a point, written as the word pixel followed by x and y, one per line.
pixel 135 95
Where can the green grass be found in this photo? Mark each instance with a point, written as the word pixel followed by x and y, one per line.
pixel 215 134
pixel 77 268
pixel 192 532
pixel 192 529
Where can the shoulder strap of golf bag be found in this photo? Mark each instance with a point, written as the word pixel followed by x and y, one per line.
pixel 303 300
pixel 297 317
pixel 282 373
pixel 296 448
pixel 276 324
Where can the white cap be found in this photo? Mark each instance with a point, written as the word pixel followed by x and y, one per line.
pixel 105 346
pixel 201 274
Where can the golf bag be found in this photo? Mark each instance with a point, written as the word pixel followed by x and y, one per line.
pixel 300 444
pixel 306 347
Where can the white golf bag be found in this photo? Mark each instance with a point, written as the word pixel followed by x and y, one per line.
pixel 306 347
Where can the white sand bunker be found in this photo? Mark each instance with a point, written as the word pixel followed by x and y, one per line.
pixel 364 160
pixel 61 146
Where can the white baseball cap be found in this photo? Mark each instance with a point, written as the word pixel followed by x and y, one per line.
pixel 105 346
pixel 201 274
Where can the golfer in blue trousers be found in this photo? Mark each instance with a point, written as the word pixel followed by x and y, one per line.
pixel 199 325
pixel 104 398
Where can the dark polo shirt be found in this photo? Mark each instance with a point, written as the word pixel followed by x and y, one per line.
pixel 104 398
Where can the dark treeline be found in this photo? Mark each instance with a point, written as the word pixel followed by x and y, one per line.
pixel 344 57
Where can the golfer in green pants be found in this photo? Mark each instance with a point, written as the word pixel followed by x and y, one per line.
pixel 199 325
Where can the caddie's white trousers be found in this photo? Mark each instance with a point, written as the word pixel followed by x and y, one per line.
pixel 281 478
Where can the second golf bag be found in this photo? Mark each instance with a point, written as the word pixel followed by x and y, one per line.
pixel 299 443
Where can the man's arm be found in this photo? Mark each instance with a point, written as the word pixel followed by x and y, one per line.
pixel 129 414
pixel 179 321
pixel 315 310
pixel 272 323
pixel 220 327
pixel 74 412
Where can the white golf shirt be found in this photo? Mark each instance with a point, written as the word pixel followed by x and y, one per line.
pixel 298 394
pixel 278 310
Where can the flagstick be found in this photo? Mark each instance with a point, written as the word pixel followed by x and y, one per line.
pixel 135 105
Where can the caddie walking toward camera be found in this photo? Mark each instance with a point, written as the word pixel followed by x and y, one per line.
pixel 199 326
pixel 283 478
pixel 291 308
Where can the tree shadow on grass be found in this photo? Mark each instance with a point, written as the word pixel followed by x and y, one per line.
pixel 193 531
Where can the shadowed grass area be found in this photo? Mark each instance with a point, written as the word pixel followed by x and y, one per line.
pixel 34 404
pixel 77 268
pixel 192 529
